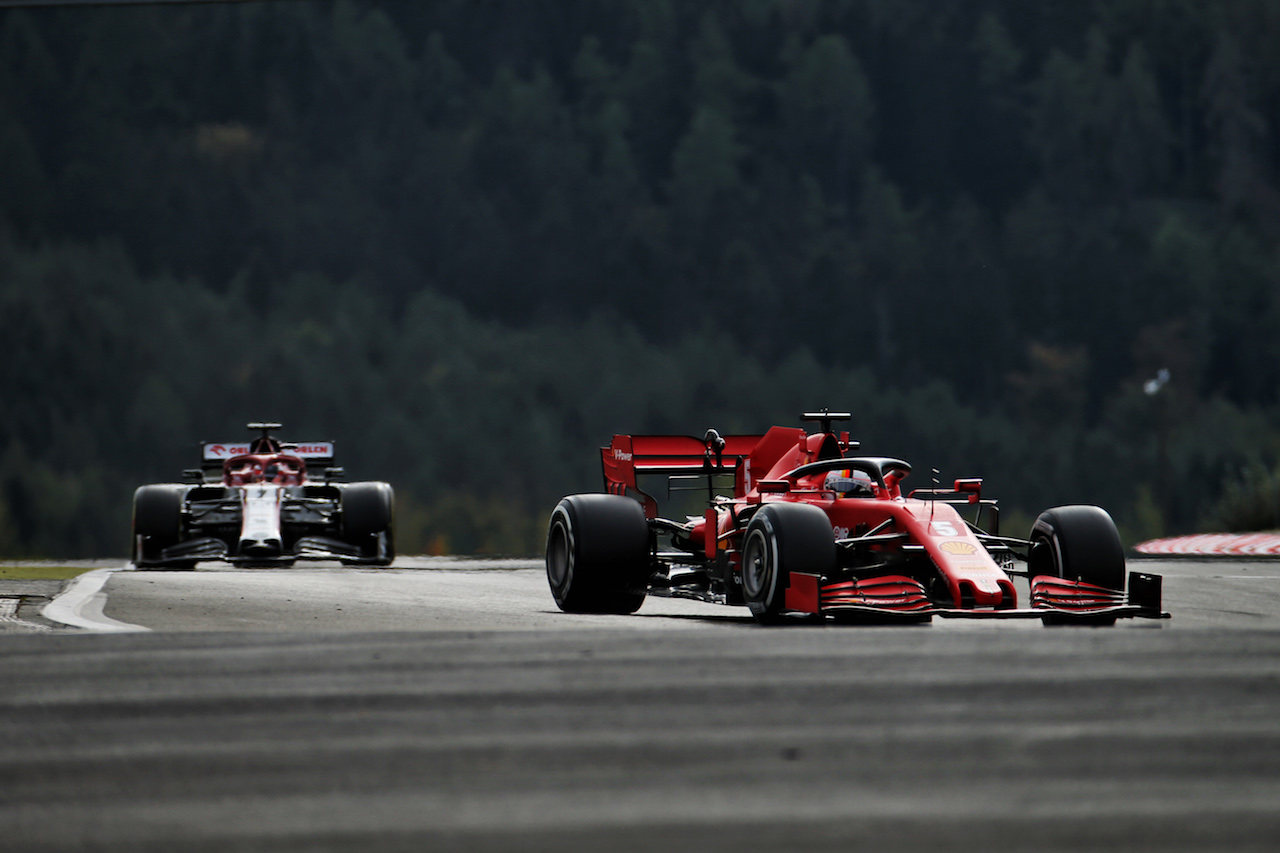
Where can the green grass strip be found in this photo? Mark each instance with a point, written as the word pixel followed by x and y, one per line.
pixel 40 572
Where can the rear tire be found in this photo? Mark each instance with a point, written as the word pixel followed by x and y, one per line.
pixel 598 554
pixel 783 538
pixel 157 522
pixel 368 520
pixel 1077 543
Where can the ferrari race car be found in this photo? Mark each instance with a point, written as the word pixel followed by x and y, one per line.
pixel 258 503
pixel 811 527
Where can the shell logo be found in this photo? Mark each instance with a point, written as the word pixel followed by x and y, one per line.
pixel 958 548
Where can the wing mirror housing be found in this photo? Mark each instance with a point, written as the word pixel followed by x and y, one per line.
pixel 971 486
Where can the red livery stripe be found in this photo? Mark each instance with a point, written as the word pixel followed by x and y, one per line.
pixel 1215 545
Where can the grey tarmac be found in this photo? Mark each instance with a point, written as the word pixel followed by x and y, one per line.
pixel 446 705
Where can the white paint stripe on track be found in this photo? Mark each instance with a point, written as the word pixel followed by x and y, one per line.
pixel 80 605
pixel 9 615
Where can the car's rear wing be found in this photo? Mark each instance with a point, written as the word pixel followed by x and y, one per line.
pixel 630 456
pixel 317 454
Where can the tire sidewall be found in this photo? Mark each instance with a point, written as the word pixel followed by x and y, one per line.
pixel 762 537
pixel 562 550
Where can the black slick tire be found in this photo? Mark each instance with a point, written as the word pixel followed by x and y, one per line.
pixel 598 554
pixel 368 520
pixel 157 521
pixel 1077 543
pixel 783 538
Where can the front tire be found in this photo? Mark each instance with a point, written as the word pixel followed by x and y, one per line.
pixel 598 554
pixel 157 521
pixel 368 520
pixel 783 538
pixel 1077 543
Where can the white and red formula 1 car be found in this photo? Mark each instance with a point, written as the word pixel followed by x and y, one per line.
pixel 260 503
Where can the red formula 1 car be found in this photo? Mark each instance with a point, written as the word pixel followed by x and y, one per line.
pixel 814 528
pixel 258 503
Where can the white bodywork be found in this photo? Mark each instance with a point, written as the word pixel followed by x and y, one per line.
pixel 260 529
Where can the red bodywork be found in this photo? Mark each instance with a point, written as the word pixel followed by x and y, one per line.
pixel 883 528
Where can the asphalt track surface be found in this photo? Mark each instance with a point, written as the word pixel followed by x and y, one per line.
pixel 449 706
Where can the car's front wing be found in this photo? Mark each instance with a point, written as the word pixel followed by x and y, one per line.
pixel 1053 600
pixel 306 548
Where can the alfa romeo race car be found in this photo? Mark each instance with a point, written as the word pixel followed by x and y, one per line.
pixel 259 503
pixel 812 528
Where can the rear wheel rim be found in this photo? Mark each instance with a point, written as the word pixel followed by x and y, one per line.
pixel 756 568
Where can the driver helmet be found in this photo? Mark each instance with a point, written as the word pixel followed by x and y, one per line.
pixel 850 483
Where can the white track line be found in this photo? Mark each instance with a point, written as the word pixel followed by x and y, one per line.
pixel 80 605
pixel 9 615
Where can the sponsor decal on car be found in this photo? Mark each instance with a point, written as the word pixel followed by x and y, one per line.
pixel 313 450
pixel 224 451
pixel 958 547
pixel 307 450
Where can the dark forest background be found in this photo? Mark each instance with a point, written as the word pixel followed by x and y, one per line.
pixel 471 240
